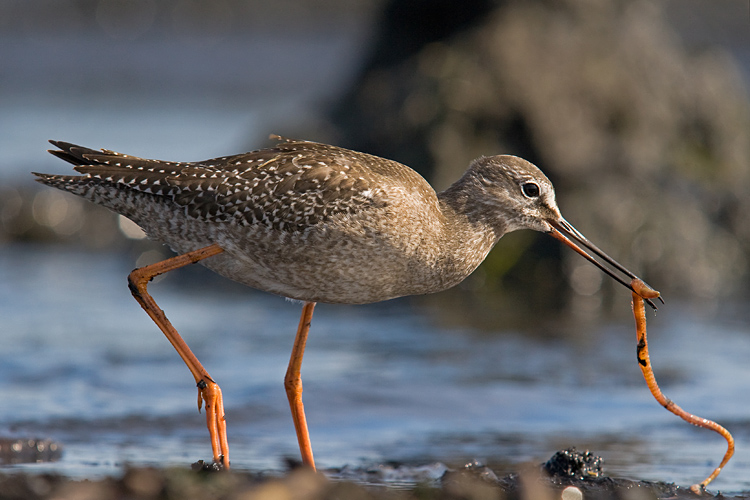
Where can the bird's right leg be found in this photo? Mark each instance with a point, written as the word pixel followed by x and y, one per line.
pixel 208 390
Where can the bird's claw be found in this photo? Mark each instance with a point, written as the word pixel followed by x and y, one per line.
pixel 209 393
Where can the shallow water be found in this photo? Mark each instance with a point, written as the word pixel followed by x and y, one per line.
pixel 83 365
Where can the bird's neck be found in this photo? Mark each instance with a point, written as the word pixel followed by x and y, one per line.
pixel 469 230
pixel 462 205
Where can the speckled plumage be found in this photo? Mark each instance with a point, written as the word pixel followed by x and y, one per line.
pixel 316 222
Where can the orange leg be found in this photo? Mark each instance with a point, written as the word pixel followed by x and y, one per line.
pixel 293 385
pixel 208 390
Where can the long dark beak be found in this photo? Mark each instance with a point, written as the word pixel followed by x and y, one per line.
pixel 565 232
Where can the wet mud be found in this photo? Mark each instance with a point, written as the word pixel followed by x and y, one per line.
pixel 567 475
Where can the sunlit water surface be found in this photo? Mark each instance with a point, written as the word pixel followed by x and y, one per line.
pixel 82 364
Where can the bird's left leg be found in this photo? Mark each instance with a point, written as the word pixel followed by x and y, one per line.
pixel 208 390
pixel 293 385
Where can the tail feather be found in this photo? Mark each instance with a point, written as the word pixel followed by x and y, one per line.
pixel 72 153
pixel 75 155
pixel 108 175
pixel 76 184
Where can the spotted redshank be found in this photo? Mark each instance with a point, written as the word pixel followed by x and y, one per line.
pixel 315 223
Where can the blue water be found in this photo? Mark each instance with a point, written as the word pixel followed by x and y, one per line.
pixel 82 364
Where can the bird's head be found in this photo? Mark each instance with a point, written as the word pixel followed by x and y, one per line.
pixel 517 191
pixel 522 197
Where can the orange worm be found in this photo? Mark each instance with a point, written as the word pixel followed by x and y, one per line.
pixel 642 291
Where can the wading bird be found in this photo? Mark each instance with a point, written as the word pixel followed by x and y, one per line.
pixel 315 223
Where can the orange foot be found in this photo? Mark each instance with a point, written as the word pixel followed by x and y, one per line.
pixel 210 393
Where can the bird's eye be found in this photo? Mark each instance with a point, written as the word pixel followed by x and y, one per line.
pixel 530 189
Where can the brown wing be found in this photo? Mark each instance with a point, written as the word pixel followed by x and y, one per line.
pixel 292 186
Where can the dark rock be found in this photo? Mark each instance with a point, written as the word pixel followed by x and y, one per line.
pixel 574 464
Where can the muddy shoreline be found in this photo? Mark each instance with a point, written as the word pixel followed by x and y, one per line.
pixel 568 475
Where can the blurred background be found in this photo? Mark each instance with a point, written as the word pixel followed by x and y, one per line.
pixel 637 111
